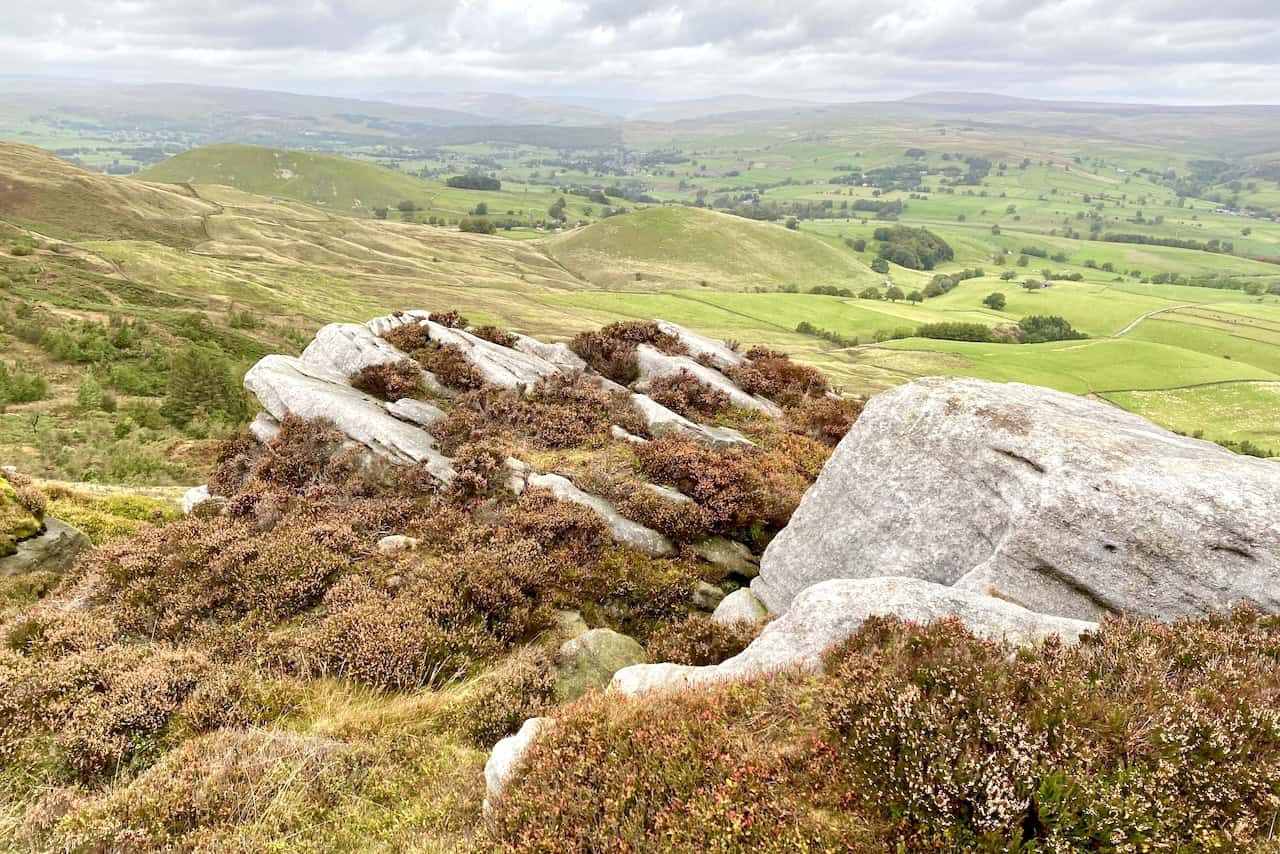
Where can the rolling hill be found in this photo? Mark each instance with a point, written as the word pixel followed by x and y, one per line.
pixel 680 247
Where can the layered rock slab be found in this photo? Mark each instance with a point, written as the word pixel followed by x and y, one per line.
pixel 1062 504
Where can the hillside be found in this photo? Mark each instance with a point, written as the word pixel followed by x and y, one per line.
pixel 344 185
pixel 679 247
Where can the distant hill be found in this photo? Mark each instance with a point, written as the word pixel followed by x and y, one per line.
pixel 687 247
pixel 674 111
pixel 325 180
pixel 504 108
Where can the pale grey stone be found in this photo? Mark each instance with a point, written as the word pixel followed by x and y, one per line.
pixel 285 386
pixel 624 530
pixel 707 596
pixel 416 411
pixel 740 606
pixel 505 759
pixel 559 355
pixel 698 345
pixel 826 614
pixel 264 428
pixel 675 496
pixel 1062 504
pixel 661 421
pixel 622 435
pixel 193 498
pixel 500 366
pixel 394 543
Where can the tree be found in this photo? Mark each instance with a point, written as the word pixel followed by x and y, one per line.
pixel 406 207
pixel 915 296
pixel 481 209
pixel 995 301
pixel 476 226
pixel 859 244
pixel 869 293
pixel 1009 275
pixel 201 382
pixel 380 213
pixel 894 293
pixel 1033 284
pixel 556 211
pixel 474 182
pixel 793 223
pixel 879 265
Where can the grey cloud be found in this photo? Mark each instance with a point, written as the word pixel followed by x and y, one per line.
pixel 1227 50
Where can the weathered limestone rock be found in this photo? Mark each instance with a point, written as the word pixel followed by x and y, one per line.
pixel 740 606
pixel 284 386
pixel 623 529
pixel 1062 504
pixel 828 613
pixel 571 624
pixel 654 363
pixel 661 421
pixel 346 348
pixel 504 761
pixel 557 354
pixel 264 428
pixel 699 345
pixel 729 555
pixel 587 662
pixel 415 411
pixel 501 366
pixel 53 550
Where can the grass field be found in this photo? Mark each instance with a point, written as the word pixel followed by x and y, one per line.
pixel 1193 358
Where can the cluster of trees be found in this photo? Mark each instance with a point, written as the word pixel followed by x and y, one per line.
pixel 807 328
pixel 477 226
pixel 1033 329
pixel 473 181
pixel 914 248
pixel 1214 245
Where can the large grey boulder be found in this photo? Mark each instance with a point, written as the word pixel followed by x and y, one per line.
pixel 557 354
pixel 1062 504
pixel 55 549
pixel 286 386
pixel 506 757
pixel 828 613
pixel 654 364
pixel 587 662
pixel 624 530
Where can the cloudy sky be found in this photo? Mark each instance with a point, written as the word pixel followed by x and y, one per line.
pixel 1190 51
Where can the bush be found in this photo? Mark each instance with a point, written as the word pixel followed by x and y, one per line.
pixel 1145 736
pixel 994 301
pixel 686 394
pixel 826 419
pixel 450 366
pixel 21 386
pixel 494 335
pixel 1037 329
pixel 495 706
pixel 955 330
pixel 698 640
pixel 611 351
pixel 773 375
pixel 388 381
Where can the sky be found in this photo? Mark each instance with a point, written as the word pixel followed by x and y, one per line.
pixel 1158 51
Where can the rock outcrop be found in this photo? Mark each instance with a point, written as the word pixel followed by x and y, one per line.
pixel 1062 504
pixel 54 549
pixel 318 385
pixel 826 614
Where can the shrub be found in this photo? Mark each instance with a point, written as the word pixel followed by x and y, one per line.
pixel 21 386
pixel 408 337
pixel 698 640
pixel 611 351
pixel 740 487
pixel 995 301
pixel 954 330
pixel 519 688
pixel 686 394
pixel 826 419
pixel 388 381
pixel 773 375
pixel 495 335
pixel 452 319
pixel 480 468
pixel 450 366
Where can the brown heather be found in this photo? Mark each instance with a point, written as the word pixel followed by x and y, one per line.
pixel 698 640
pixel 686 394
pixel 495 335
pixel 611 351
pixel 390 381
pixel 771 374
pixel 1145 737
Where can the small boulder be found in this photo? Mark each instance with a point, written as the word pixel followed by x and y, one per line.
pixel 55 549
pixel 729 555
pixel 588 661
pixel 707 596
pixel 395 543
pixel 740 606
pixel 701 347
pixel 826 614
pixel 197 501
pixel 506 756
